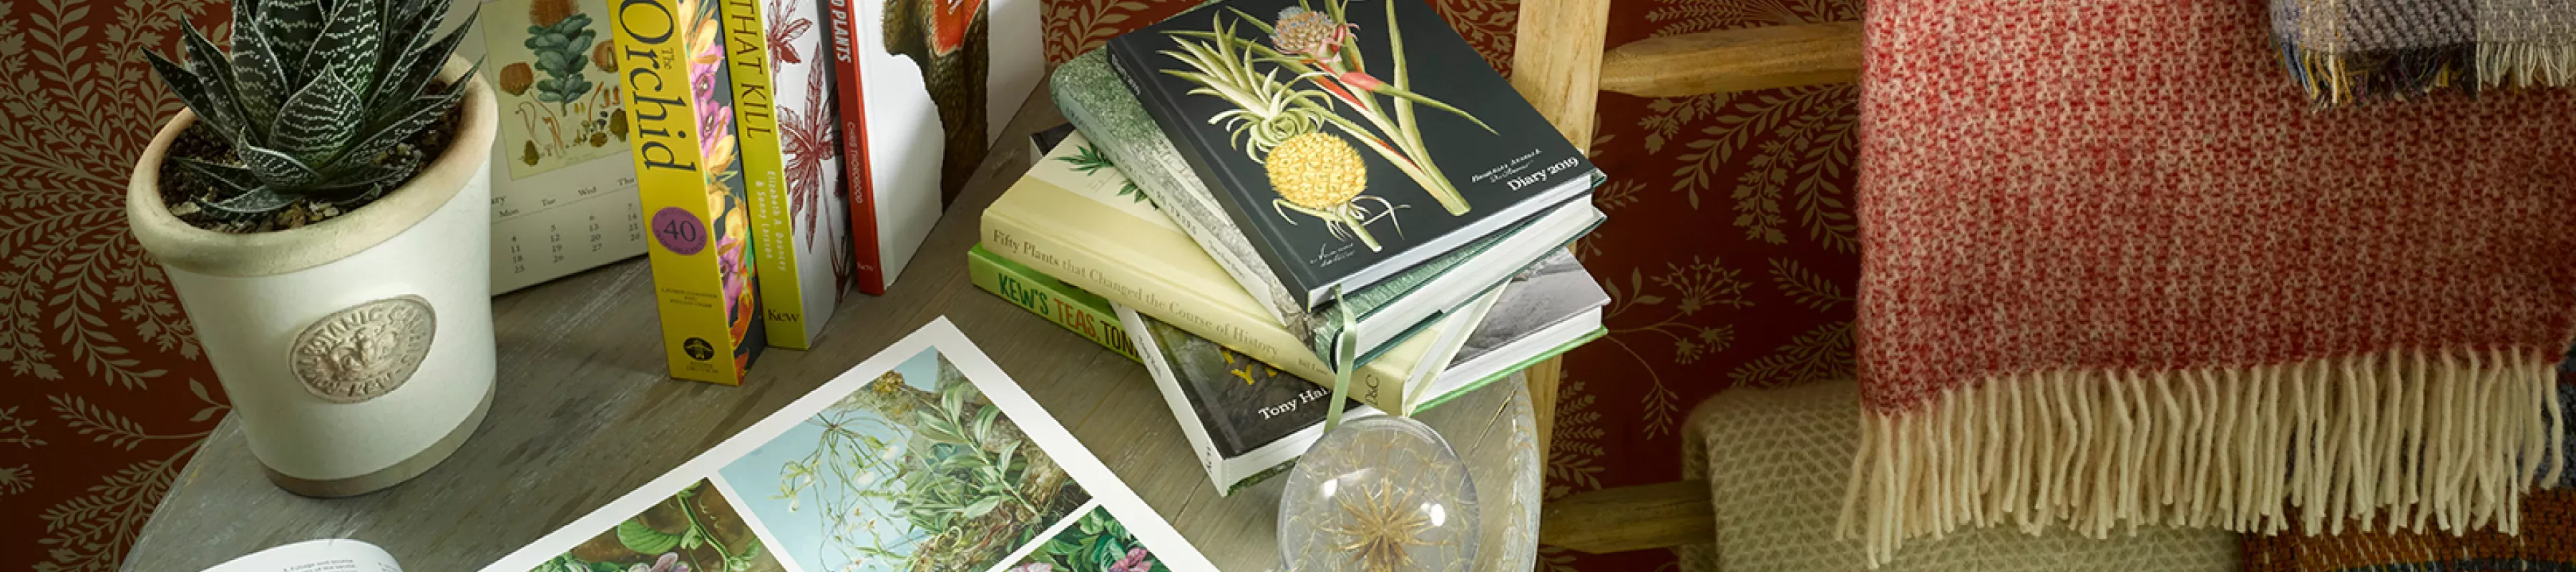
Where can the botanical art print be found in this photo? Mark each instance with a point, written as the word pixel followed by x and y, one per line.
pixel 1286 92
pixel 809 138
pixel 809 135
pixel 916 470
pixel 554 111
pixel 1096 543
pixel 696 530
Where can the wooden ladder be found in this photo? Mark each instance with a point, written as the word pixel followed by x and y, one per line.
pixel 1559 64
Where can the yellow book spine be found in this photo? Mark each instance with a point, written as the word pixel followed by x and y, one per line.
pixel 773 227
pixel 671 56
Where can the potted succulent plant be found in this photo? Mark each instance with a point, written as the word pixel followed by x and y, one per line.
pixel 322 207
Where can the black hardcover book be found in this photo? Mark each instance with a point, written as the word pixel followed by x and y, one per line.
pixel 1244 403
pixel 1351 139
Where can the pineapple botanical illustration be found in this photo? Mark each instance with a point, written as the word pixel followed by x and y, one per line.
pixel 1320 175
pixel 1280 122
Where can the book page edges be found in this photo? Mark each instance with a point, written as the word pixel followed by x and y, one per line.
pixel 1165 275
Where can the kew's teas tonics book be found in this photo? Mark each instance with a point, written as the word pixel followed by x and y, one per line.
pixel 1350 140
pixel 925 87
pixel 670 57
pixel 1384 315
pixel 1083 313
pixel 791 162
pixel 924 457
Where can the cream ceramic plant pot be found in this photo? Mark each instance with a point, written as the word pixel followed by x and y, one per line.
pixel 357 351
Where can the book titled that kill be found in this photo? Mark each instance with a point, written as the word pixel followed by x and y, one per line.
pixel 791 163
pixel 1360 156
pixel 671 62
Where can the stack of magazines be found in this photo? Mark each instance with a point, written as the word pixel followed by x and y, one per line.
pixel 1261 193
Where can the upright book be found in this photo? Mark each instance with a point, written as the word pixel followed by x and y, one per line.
pixel 671 62
pixel 1091 94
pixel 791 162
pixel 925 87
pixel 1350 141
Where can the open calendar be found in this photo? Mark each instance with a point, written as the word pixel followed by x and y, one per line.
pixel 563 177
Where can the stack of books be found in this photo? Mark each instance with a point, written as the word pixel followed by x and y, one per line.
pixel 1264 192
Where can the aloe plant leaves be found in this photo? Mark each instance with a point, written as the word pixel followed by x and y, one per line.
pixel 420 112
pixel 316 96
pixel 228 178
pixel 187 85
pixel 277 170
pixel 409 76
pixel 348 45
pixel 291 26
pixel 320 119
pixel 259 78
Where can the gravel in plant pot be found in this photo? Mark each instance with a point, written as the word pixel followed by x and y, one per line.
pixel 322 208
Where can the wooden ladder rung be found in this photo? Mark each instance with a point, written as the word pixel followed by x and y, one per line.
pixel 1630 518
pixel 1734 60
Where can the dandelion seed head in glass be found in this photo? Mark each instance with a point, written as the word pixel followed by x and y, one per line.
pixel 1380 494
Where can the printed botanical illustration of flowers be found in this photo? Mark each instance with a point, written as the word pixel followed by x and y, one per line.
pixel 554 112
pixel 915 470
pixel 695 530
pixel 1285 93
pixel 1097 543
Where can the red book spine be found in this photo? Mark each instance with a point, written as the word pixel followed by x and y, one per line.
pixel 866 254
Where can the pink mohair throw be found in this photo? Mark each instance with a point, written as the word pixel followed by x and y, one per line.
pixel 2116 273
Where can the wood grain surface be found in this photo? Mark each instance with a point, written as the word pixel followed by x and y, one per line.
pixel 1558 69
pixel 1659 515
pixel 1734 60
pixel 586 411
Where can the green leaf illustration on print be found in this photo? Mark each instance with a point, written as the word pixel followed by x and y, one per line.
pixel 1089 160
pixel 644 540
pixel 563 49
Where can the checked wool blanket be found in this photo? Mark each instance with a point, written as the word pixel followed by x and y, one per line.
pixel 2116 274
pixel 2344 52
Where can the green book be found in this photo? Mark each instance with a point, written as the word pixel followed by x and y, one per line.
pixel 1082 312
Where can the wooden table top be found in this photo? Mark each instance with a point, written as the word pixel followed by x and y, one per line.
pixel 586 411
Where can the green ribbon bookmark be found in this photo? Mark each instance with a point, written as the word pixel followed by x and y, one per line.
pixel 1344 344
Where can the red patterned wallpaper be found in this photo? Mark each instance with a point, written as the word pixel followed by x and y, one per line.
pixel 107 395
pixel 1730 256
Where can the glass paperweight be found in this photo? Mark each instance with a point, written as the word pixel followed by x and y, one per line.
pixel 1380 494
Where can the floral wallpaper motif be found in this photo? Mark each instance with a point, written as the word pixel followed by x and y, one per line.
pixel 1730 253
pixel 107 395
